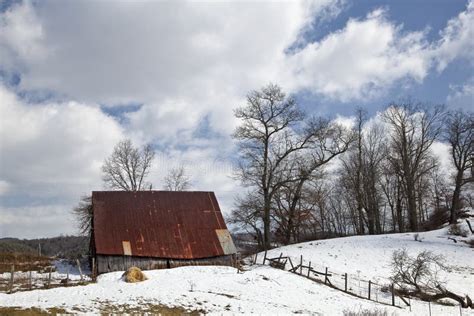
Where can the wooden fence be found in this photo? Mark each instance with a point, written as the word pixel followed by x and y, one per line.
pixel 15 281
pixel 347 283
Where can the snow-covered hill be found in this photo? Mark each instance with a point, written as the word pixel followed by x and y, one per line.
pixel 264 290
pixel 369 257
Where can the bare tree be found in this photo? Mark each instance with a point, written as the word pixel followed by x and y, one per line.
pixel 361 174
pixel 127 167
pixel 459 133
pixel 266 139
pixel 413 131
pixel 328 140
pixel 416 274
pixel 83 214
pixel 248 217
pixel 419 276
pixel 177 180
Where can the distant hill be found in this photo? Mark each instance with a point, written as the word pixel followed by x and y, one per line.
pixel 68 247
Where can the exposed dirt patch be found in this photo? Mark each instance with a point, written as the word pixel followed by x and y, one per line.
pixel 17 311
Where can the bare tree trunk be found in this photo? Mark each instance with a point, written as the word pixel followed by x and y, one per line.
pixel 455 204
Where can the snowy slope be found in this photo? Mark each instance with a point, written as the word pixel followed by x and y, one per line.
pixel 368 257
pixel 268 291
pixel 261 290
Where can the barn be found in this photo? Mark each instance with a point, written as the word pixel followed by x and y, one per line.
pixel 157 230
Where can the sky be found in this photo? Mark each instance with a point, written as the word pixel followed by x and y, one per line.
pixel 76 77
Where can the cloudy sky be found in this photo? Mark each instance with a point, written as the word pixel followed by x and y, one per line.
pixel 78 76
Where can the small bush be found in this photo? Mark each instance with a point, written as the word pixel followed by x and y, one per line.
pixel 365 312
pixel 457 230
pixel 470 242
pixel 417 237
pixel 437 219
pixel 419 273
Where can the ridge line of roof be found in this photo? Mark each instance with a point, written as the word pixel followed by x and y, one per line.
pixel 163 191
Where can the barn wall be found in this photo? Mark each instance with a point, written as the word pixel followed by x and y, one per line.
pixel 106 263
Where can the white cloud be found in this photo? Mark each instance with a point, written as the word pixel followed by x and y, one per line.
pixel 462 95
pixel 37 221
pixel 457 39
pixel 187 63
pixel 21 35
pixel 200 57
pixel 51 153
pixel 358 61
pixel 4 187
pixel 441 151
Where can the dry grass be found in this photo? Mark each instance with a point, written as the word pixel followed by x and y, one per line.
pixel 23 262
pixel 17 311
pixel 366 312
pixel 147 309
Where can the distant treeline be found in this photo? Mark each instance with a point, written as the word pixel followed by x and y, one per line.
pixel 68 247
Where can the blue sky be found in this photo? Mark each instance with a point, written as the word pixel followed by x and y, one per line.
pixel 78 76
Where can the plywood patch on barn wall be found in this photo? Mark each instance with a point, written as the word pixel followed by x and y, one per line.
pixel 127 249
pixel 226 241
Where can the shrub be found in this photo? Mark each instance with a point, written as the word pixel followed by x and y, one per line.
pixel 437 218
pixel 417 237
pixel 365 312
pixel 470 242
pixel 416 274
pixel 457 230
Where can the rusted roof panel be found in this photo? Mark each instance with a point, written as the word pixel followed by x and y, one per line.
pixel 163 224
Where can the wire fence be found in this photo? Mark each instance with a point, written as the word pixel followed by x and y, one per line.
pixel 377 291
pixel 47 277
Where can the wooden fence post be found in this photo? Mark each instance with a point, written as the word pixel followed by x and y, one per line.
pixel 291 263
pixel 309 268
pixel 393 295
pixel 30 281
pixel 67 276
pixel 370 283
pixel 94 275
pixel 49 276
pixel 255 260
pixel 326 276
pixel 79 267
pixel 12 276
pixel 265 257
pixel 301 264
pixel 345 282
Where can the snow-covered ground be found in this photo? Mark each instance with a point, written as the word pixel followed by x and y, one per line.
pixel 264 290
pixel 369 257
pixel 62 270
pixel 261 290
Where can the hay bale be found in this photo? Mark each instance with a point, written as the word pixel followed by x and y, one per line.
pixel 133 275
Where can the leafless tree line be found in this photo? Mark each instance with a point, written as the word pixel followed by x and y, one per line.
pixel 312 177
pixel 127 169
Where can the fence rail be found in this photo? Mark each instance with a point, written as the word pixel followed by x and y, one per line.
pixel 15 281
pixel 374 290
pixel 350 284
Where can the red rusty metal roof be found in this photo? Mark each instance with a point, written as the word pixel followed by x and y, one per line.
pixel 163 224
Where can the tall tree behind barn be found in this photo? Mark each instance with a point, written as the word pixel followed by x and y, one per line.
pixel 128 166
pixel 159 229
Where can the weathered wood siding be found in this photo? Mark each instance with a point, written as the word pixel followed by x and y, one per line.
pixel 106 263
